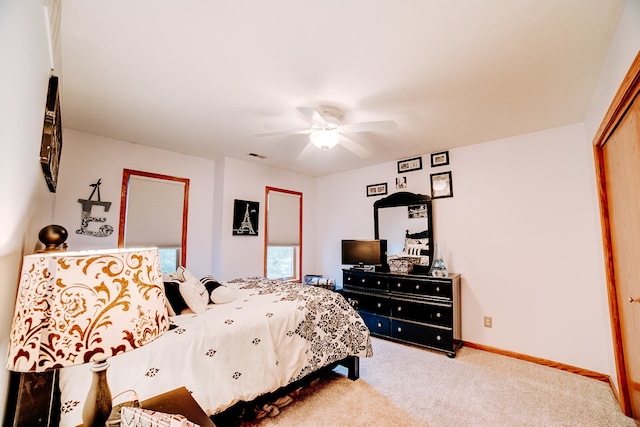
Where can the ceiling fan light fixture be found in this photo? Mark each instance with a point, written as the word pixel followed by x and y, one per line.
pixel 324 138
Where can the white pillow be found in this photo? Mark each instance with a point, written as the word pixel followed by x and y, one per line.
pixel 222 295
pixel 193 291
pixel 219 293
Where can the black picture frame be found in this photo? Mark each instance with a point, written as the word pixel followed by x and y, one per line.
pixel 51 144
pixel 441 185
pixel 245 217
pixel 409 165
pixel 440 159
pixel 377 189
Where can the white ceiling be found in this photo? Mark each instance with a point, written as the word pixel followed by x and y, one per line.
pixel 201 77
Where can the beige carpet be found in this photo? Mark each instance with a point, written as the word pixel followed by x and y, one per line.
pixel 408 386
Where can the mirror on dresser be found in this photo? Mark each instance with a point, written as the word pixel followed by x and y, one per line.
pixel 401 214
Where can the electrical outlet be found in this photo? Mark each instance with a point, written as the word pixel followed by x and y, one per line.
pixel 488 322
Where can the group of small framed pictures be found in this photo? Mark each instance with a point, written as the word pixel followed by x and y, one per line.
pixel 441 182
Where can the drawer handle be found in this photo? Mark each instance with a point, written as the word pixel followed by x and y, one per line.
pixel 399 308
pixel 378 282
pixel 438 338
pixel 379 325
pixel 438 315
pixel 399 285
pixel 437 288
pixel 364 280
pixel 417 287
pixel 399 329
pixel 379 304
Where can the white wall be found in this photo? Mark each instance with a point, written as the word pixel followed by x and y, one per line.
pixel 522 231
pixel 522 228
pixel 87 158
pixel 211 247
pixel 624 48
pixel 27 204
pixel 243 256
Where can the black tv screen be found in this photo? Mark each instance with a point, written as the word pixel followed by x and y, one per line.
pixel 364 252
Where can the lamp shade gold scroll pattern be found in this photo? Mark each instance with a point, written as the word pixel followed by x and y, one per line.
pixel 80 307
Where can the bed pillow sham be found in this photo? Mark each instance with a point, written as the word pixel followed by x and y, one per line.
pixel 218 293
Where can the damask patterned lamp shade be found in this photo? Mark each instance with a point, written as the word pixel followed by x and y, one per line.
pixel 80 307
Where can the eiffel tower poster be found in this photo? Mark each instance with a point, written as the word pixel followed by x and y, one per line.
pixel 245 218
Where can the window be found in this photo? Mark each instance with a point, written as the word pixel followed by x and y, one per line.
pixel 169 258
pixel 153 212
pixel 283 238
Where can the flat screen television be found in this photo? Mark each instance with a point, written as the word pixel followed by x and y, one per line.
pixel 363 253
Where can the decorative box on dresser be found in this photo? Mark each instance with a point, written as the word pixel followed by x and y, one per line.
pixel 412 308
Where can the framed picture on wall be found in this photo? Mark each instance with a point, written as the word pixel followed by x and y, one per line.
pixel 401 182
pixel 441 185
pixel 245 218
pixel 410 165
pixel 377 189
pixel 51 143
pixel 440 159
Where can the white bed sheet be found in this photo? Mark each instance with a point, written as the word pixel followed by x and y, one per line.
pixel 272 334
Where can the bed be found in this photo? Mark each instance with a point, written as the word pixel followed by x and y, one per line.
pixel 270 335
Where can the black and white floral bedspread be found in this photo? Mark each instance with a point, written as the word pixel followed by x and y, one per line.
pixel 272 334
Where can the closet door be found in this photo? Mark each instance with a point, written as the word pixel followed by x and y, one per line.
pixel 618 160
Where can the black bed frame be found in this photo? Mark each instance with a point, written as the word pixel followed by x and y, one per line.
pixel 233 416
pixel 34 398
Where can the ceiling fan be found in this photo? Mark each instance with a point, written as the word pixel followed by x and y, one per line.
pixel 327 131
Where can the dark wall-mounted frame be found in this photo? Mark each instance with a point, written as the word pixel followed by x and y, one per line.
pixel 51 144
pixel 440 159
pixel 409 165
pixel 245 217
pixel 377 189
pixel 441 185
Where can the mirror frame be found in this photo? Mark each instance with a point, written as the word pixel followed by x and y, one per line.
pixel 405 198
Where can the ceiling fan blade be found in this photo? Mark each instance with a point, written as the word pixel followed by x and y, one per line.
pixel 370 126
pixel 284 132
pixel 312 115
pixel 354 147
pixel 306 152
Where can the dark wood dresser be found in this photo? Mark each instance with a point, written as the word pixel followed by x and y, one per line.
pixel 412 308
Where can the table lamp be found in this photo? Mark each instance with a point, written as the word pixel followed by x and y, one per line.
pixel 81 307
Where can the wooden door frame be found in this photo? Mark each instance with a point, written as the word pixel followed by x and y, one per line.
pixel 621 102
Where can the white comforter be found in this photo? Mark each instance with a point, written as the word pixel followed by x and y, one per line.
pixel 273 333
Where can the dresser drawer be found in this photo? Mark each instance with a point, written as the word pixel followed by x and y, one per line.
pixel 365 281
pixel 424 287
pixel 377 304
pixel 378 325
pixel 432 313
pixel 422 334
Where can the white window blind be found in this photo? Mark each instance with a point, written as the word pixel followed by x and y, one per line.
pixel 154 212
pixel 284 219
